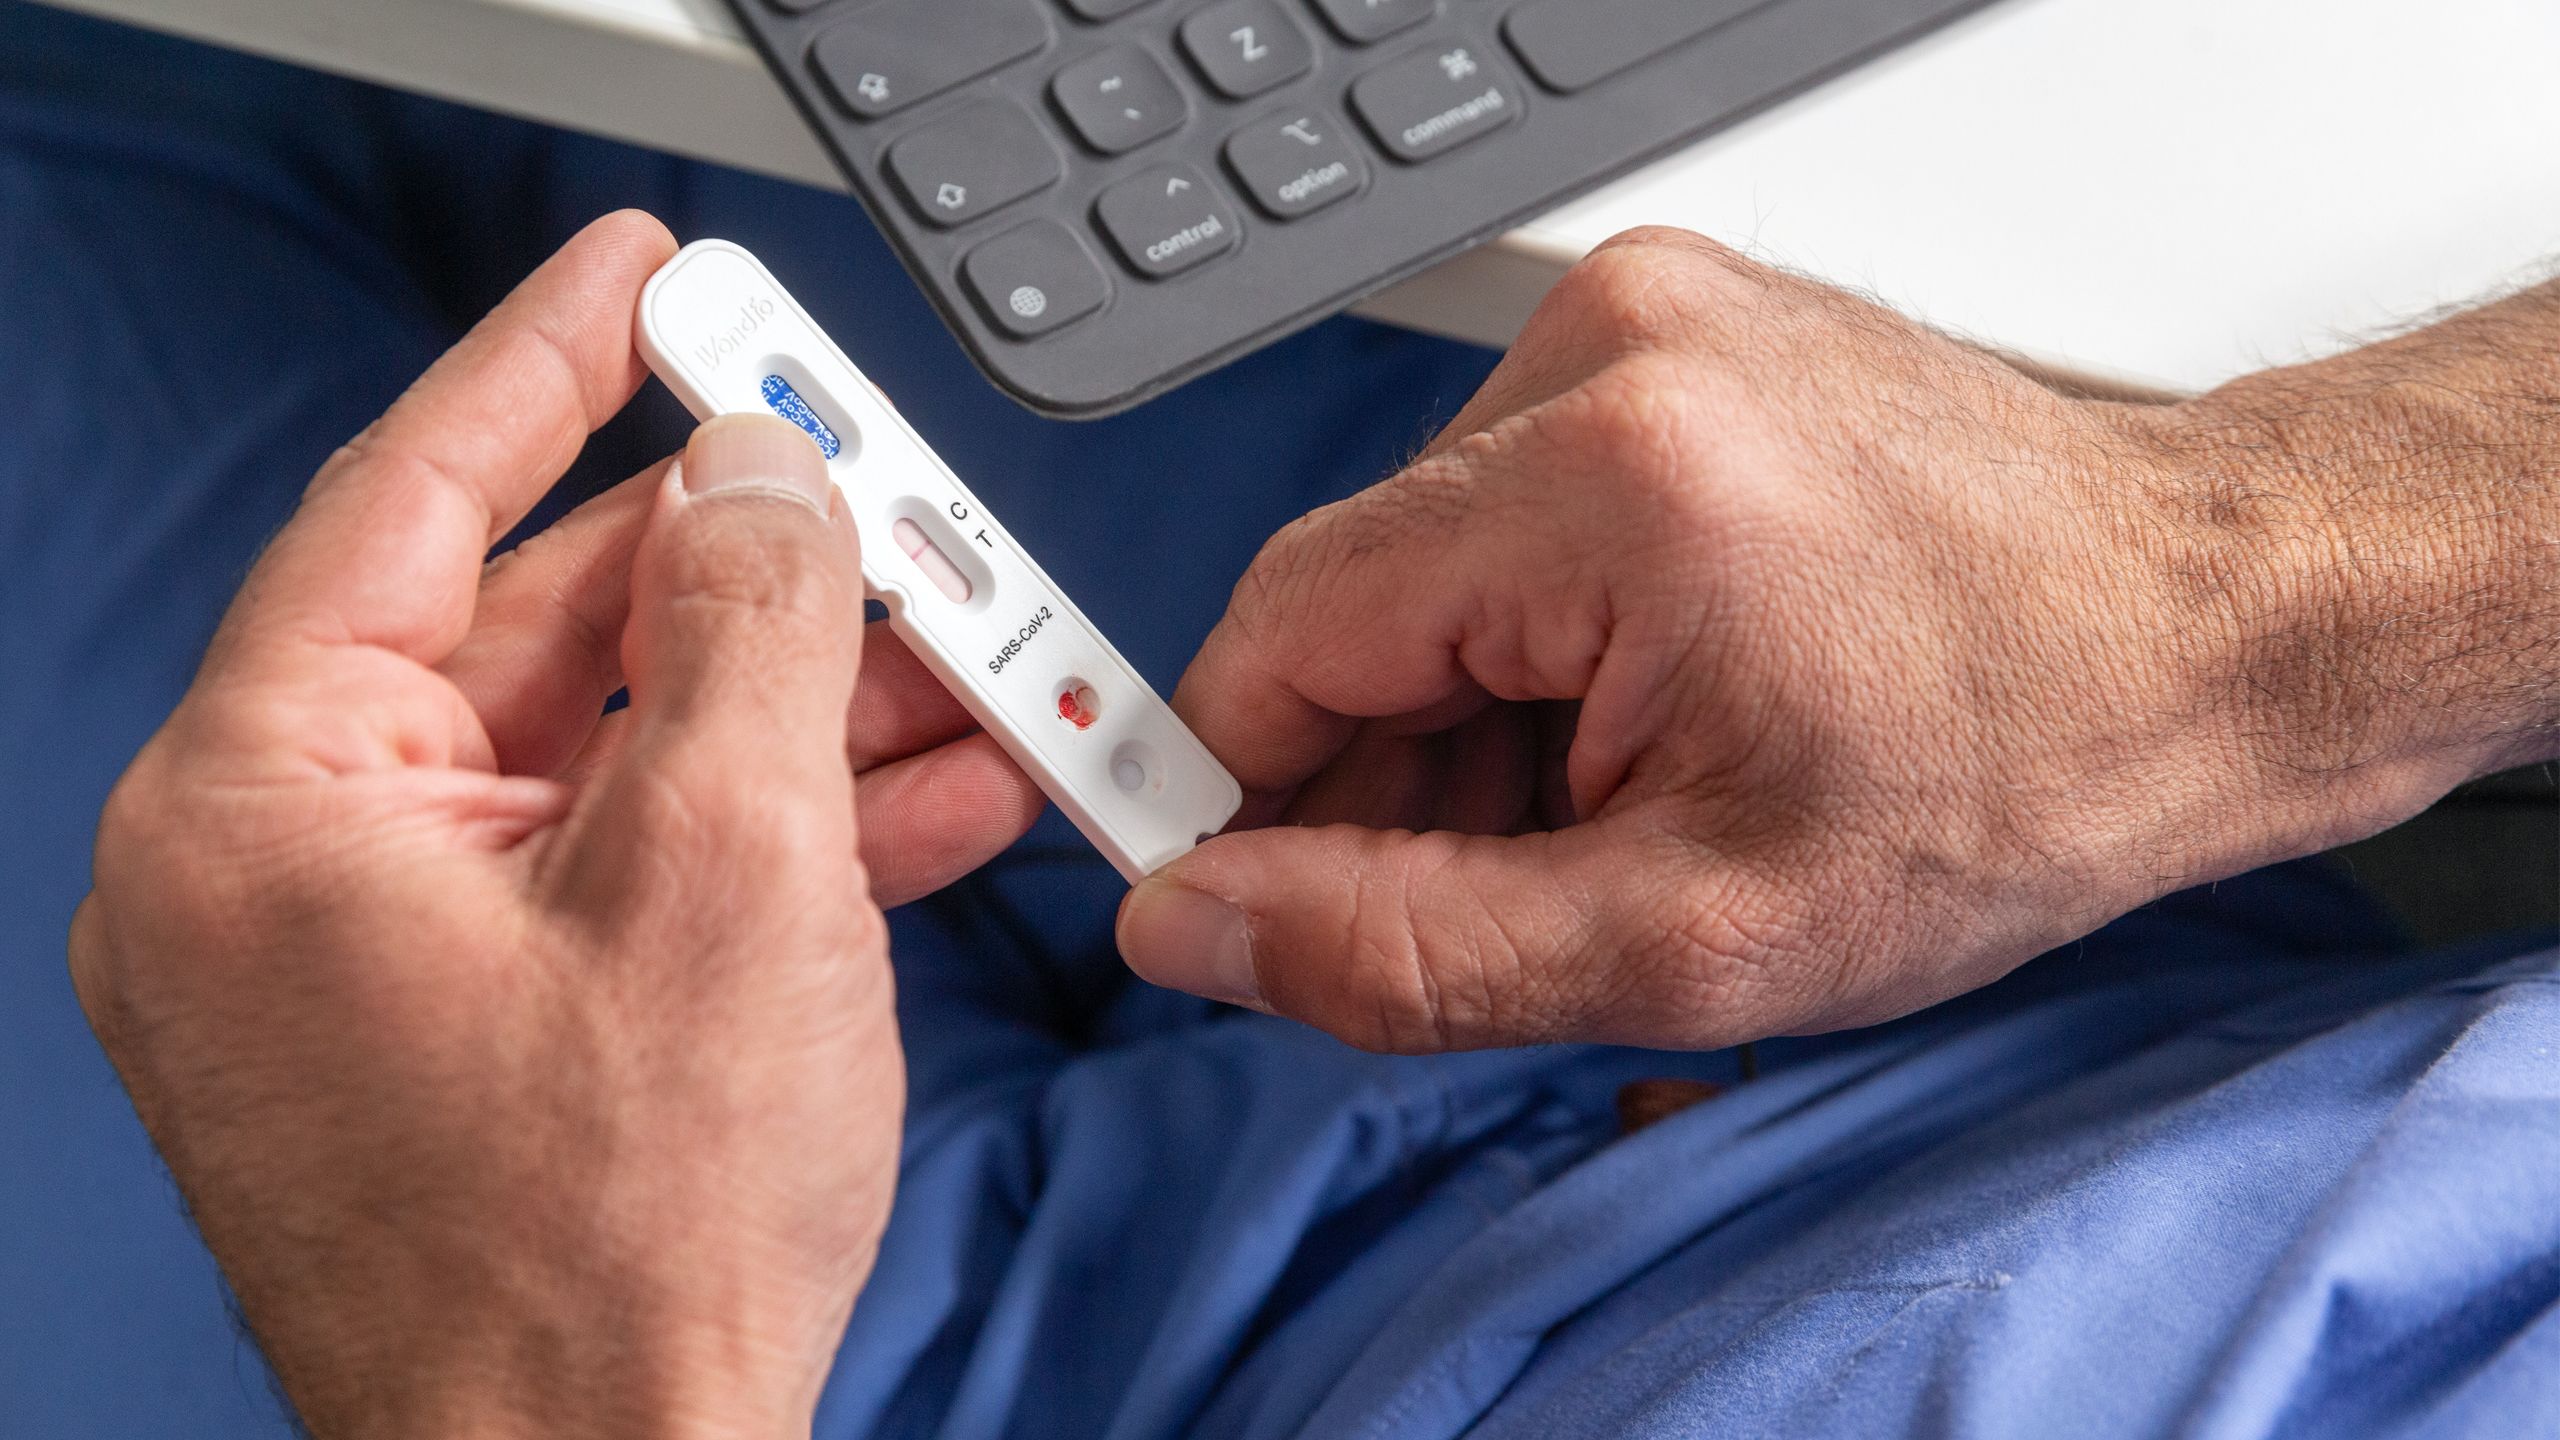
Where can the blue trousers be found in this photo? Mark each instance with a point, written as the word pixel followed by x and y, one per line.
pixel 2236 1165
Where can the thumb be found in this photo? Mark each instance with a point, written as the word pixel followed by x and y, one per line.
pixel 1389 940
pixel 745 630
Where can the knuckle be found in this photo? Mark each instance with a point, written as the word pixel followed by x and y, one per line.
pixel 401 481
pixel 168 841
pixel 206 871
pixel 1619 290
pixel 1299 571
pixel 543 363
pixel 1632 431
pixel 93 978
pixel 1652 282
pixel 1298 548
pixel 1284 574
pixel 1418 509
pixel 1672 241
pixel 125 820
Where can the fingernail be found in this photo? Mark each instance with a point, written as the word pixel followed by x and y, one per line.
pixel 1190 940
pixel 756 455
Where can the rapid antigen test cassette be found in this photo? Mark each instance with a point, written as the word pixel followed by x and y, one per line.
pixel 972 604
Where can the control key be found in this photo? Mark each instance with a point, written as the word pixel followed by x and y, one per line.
pixel 1166 220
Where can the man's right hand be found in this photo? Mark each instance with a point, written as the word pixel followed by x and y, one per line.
pixel 534 1071
pixel 1747 659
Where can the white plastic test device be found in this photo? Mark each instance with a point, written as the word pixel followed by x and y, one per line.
pixel 977 609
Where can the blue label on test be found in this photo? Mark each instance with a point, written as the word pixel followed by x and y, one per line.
pixel 786 402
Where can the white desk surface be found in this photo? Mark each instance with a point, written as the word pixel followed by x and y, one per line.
pixel 2162 192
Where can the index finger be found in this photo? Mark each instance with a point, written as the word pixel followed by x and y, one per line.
pixel 1413 600
pixel 387 545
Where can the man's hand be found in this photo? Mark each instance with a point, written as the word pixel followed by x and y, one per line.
pixel 531 1073
pixel 1752 660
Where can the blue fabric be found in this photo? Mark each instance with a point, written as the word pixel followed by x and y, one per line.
pixel 2236 1166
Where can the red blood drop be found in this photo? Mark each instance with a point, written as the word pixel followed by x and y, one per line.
pixel 1075 706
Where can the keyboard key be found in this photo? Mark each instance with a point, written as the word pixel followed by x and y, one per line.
pixel 1166 220
pixel 1294 164
pixel 1435 100
pixel 1119 100
pixel 1247 46
pixel 1104 9
pixel 1362 21
pixel 981 158
pixel 1035 279
pixel 1573 44
pixel 894 53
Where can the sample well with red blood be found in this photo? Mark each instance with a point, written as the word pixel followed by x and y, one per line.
pixel 1078 705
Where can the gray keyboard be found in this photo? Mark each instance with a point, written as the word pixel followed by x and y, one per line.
pixel 1105 198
